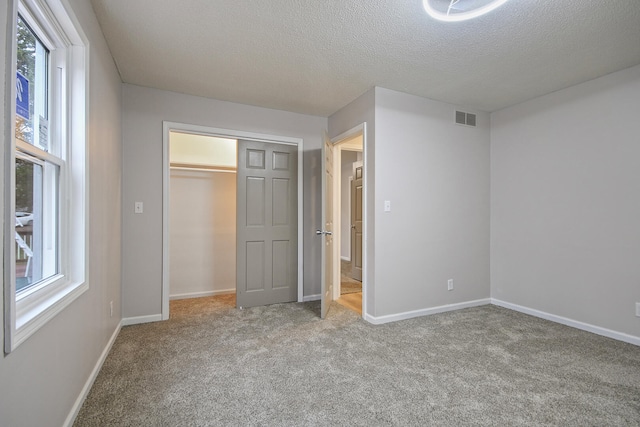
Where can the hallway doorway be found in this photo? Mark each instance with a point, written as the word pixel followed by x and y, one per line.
pixel 349 214
pixel 350 289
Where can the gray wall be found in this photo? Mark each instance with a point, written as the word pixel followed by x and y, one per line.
pixel 52 366
pixel 436 175
pixel 565 203
pixel 144 111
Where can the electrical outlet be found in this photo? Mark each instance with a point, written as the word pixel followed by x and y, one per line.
pixel 450 284
pixel 111 308
pixel 638 309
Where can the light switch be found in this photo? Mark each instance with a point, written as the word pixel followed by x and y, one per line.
pixel 387 205
pixel 139 208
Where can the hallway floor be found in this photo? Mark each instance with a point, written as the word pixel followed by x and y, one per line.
pixel 350 289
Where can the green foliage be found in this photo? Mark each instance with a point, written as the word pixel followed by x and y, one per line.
pixel 26 65
pixel 26 52
pixel 24 186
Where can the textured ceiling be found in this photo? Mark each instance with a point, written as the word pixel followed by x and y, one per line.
pixel 314 57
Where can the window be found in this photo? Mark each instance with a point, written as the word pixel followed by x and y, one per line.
pixel 37 165
pixel 47 179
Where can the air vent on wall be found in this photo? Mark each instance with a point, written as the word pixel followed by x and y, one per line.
pixel 467 119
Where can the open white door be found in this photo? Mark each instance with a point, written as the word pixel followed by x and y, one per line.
pixel 327 224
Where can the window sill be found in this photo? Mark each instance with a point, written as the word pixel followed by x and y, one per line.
pixel 34 311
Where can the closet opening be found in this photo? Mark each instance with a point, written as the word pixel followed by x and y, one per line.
pixel 202 215
pixel 211 203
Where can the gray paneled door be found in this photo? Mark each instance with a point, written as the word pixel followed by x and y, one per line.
pixel 267 224
pixel 356 222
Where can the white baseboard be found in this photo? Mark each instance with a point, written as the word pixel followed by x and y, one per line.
pixel 424 312
pixel 620 336
pixel 202 294
pixel 345 258
pixel 141 319
pixel 75 409
pixel 311 298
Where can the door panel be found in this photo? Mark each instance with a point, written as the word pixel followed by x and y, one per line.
pixel 327 223
pixel 281 202
pixel 255 266
pixel 255 159
pixel 255 201
pixel 267 224
pixel 280 271
pixel 280 161
pixel 356 221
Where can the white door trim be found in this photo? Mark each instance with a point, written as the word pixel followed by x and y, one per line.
pixel 167 127
pixel 360 129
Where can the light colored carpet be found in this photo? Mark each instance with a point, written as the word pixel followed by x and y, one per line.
pixel 214 365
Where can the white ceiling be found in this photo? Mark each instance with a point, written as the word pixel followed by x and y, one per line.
pixel 316 56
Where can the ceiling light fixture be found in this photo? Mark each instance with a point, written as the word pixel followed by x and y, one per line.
pixel 459 10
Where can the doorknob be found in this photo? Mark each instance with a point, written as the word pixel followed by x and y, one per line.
pixel 353 227
pixel 325 232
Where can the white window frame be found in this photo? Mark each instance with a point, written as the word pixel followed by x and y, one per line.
pixel 59 30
